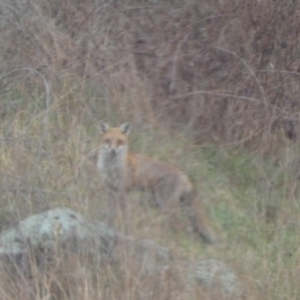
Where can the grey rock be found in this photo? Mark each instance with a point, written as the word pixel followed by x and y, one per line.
pixel 152 257
pixel 58 228
pixel 62 229
pixel 215 276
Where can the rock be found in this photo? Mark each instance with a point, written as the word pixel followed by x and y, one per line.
pixel 60 228
pixel 214 276
pixel 62 231
pixel 151 257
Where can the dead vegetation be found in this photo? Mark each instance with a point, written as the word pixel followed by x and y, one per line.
pixel 221 72
pixel 226 72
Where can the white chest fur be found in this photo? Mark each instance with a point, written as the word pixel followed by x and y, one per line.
pixel 112 168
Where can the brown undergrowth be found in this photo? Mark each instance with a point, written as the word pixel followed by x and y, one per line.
pixel 188 74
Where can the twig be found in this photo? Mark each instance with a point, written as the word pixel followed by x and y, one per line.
pixel 47 103
pixel 251 73
pixel 174 67
pixel 224 95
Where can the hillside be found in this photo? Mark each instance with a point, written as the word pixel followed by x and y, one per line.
pixel 209 87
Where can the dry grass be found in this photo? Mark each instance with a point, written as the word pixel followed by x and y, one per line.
pixel 227 73
pixel 218 73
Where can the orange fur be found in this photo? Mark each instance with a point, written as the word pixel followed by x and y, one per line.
pixel 122 171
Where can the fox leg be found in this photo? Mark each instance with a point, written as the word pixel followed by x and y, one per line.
pixel 197 217
pixel 168 192
pixel 175 191
pixel 117 197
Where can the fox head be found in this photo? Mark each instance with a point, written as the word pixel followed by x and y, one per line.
pixel 114 139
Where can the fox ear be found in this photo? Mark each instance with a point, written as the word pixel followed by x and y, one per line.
pixel 103 127
pixel 125 128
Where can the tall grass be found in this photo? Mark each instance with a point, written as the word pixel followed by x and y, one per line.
pixel 211 94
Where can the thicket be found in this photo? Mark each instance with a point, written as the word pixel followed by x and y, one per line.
pixel 187 74
pixel 225 71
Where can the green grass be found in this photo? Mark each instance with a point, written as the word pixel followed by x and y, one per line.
pixel 253 214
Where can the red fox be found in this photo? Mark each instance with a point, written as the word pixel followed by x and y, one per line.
pixel 122 171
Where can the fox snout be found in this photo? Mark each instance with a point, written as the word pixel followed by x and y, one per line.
pixel 111 149
pixel 114 150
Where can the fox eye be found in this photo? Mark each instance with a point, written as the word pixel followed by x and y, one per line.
pixel 107 141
